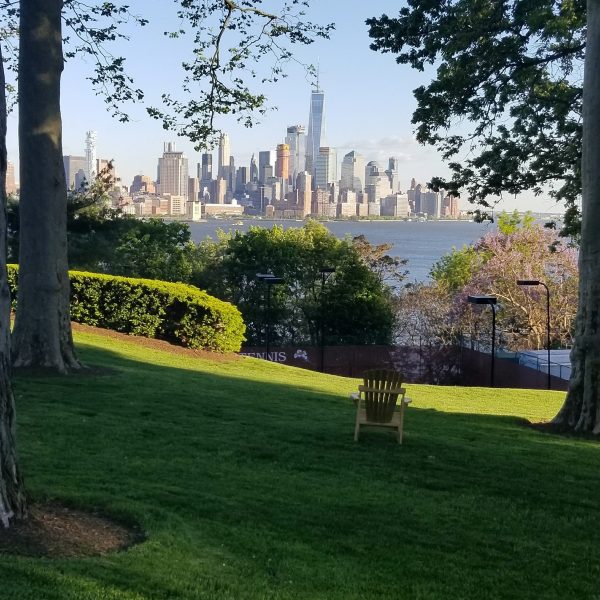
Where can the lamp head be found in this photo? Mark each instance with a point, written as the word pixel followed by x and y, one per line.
pixel 528 282
pixel 482 299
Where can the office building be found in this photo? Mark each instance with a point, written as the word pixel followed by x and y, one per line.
pixel 11 184
pixel 73 164
pixel 205 172
pixel 142 184
pixel 326 167
pixel 315 136
pixel 193 189
pixel 173 172
pixel 224 156
pixel 91 168
pixel 430 204
pixel 253 170
pixel 264 161
pixel 241 180
pixel 282 165
pixel 304 192
pixel 395 205
pixel 392 175
pixel 353 170
pixel 296 140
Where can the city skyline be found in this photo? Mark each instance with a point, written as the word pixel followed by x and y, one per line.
pixel 369 102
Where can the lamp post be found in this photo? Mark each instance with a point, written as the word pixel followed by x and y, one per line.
pixel 527 282
pixel 325 273
pixel 492 301
pixel 269 279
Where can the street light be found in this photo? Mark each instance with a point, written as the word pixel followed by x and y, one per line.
pixel 325 273
pixel 538 282
pixel 492 301
pixel 270 280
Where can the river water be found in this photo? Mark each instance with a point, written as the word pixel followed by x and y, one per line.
pixel 422 243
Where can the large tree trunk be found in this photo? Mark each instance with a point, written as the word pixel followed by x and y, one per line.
pixel 12 498
pixel 42 335
pixel 581 410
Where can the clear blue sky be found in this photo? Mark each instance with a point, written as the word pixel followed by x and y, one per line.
pixel 368 98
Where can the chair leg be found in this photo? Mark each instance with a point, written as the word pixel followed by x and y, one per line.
pixel 356 431
pixel 401 426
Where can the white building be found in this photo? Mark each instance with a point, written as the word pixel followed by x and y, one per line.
pixel 173 172
pixel 326 167
pixel 353 170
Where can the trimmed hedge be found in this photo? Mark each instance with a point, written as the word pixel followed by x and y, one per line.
pixel 175 312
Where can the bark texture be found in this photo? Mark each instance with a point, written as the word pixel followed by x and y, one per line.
pixel 581 410
pixel 12 497
pixel 42 335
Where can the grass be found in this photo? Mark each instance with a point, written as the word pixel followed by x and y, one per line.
pixel 246 480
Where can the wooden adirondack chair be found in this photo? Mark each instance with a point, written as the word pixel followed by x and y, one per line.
pixel 380 393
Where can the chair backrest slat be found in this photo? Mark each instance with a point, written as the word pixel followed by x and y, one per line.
pixel 380 405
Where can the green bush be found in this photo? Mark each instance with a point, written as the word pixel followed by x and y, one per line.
pixel 175 312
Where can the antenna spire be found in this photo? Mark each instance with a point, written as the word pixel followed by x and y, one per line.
pixel 318 73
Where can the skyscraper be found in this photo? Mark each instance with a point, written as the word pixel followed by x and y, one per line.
pixel 173 172
pixel 253 169
pixel 205 173
pixel 353 169
pixel 90 156
pixel 296 140
pixel 264 161
pixel 11 185
pixel 392 174
pixel 224 156
pixel 73 164
pixel 326 167
pixel 304 193
pixel 315 137
pixel 282 166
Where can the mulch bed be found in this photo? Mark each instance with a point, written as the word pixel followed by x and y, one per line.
pixel 56 531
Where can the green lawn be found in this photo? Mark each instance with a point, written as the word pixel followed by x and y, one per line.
pixel 247 482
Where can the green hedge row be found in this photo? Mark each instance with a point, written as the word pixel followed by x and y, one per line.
pixel 175 312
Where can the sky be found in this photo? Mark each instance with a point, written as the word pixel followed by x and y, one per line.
pixel 368 100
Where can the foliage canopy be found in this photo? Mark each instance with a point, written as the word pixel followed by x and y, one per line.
pixel 505 104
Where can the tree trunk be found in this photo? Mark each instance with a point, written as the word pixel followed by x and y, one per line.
pixel 12 497
pixel 42 335
pixel 581 410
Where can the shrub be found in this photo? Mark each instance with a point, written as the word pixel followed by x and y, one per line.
pixel 175 312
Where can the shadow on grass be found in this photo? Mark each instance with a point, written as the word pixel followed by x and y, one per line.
pixel 249 485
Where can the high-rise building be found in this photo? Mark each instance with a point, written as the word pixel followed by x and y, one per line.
pixel 224 156
pixel 205 172
pixel 304 192
pixel 253 169
pixel 231 174
pixel 193 189
pixel 264 161
pixel 90 156
pixel 353 169
pixel 282 166
pixel 326 167
pixel 142 183
pixel 377 184
pixel 315 137
pixel 173 172
pixel 431 204
pixel 73 164
pixel 296 140
pixel 11 184
pixel 392 174
pixel 241 180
